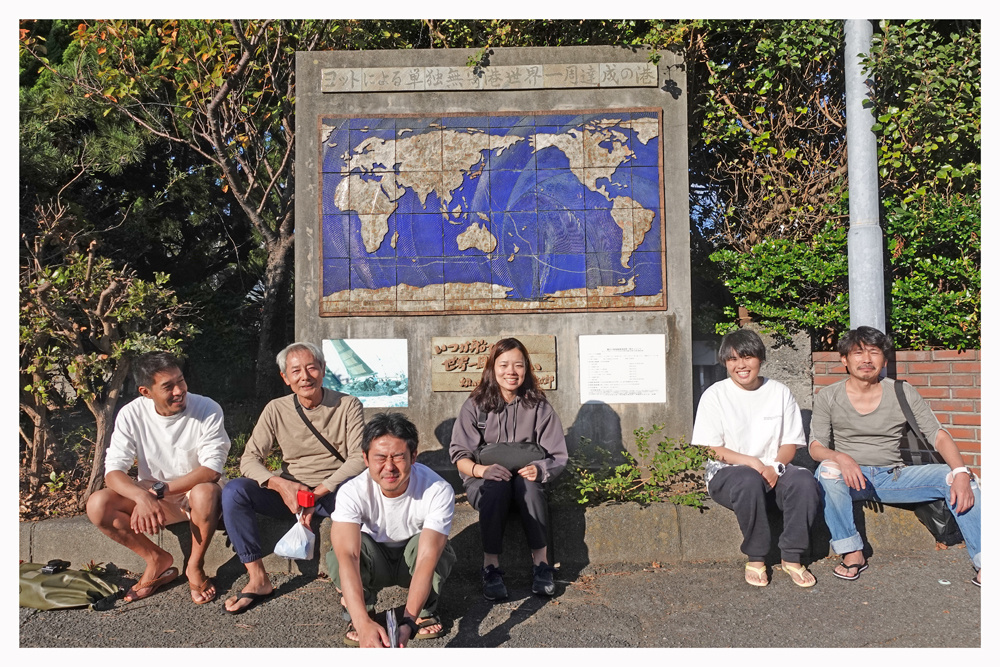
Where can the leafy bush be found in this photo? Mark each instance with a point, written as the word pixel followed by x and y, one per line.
pixel 935 256
pixel 789 284
pixel 240 420
pixel 927 101
pixel 672 473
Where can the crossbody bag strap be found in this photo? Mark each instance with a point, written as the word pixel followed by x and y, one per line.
pixel 481 427
pixel 911 420
pixel 319 436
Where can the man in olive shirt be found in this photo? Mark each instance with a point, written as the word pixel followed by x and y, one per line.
pixel 857 426
pixel 308 463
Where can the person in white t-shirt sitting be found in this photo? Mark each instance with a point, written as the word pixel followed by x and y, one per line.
pixel 754 425
pixel 390 528
pixel 181 445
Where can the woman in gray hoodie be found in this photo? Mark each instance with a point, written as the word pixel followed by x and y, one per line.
pixel 509 406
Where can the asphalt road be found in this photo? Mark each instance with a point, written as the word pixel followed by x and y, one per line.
pixel 900 601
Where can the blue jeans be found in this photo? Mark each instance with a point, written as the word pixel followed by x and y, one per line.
pixel 243 499
pixel 910 484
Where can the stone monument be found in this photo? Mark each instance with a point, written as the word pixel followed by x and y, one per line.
pixel 540 193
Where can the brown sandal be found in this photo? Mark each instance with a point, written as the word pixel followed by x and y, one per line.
pixel 165 578
pixel 201 588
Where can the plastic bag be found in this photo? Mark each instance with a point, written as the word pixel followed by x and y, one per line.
pixel 297 542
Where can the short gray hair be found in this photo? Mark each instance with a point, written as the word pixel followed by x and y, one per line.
pixel 301 345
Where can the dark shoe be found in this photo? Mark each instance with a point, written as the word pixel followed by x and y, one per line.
pixel 541 579
pixel 493 588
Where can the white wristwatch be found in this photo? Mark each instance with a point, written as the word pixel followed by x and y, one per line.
pixel 778 468
pixel 955 471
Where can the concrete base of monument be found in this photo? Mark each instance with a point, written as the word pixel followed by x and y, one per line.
pixel 594 536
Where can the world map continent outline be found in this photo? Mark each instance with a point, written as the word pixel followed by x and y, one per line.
pixel 492 212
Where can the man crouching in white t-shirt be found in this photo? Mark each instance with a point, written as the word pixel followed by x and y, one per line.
pixel 181 445
pixel 390 528
pixel 754 425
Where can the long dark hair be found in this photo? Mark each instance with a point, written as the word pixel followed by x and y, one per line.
pixel 487 395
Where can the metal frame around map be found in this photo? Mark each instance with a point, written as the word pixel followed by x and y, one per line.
pixel 510 310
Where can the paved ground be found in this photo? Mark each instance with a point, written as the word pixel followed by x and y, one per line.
pixel 901 601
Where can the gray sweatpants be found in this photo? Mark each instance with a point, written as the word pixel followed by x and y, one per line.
pixel 743 490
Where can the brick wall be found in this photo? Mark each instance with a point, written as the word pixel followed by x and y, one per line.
pixel 948 380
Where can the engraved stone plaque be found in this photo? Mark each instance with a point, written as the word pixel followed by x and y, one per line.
pixel 457 363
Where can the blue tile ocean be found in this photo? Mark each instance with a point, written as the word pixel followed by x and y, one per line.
pixel 538 204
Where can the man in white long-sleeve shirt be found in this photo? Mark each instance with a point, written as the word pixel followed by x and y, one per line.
pixel 181 445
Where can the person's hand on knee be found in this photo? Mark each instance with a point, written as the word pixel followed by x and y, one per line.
pixel 497 473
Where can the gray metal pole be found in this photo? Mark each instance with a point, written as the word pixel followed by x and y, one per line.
pixel 864 238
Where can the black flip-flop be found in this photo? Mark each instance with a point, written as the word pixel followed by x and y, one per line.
pixel 976 582
pixel 255 599
pixel 857 567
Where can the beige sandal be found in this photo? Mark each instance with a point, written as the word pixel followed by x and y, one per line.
pixel 761 575
pixel 798 573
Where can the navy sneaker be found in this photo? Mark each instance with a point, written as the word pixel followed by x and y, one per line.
pixel 541 579
pixel 493 588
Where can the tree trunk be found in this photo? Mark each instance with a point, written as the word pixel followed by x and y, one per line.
pixel 102 416
pixel 103 412
pixel 277 280
pixel 40 437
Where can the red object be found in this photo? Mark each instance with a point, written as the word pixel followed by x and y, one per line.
pixel 306 498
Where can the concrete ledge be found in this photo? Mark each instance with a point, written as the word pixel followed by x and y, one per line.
pixel 604 535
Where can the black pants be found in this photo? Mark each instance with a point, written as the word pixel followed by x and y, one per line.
pixel 493 499
pixel 743 490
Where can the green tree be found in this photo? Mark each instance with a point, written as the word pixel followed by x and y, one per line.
pixel 926 99
pixel 767 118
pixel 82 319
pixel 152 203
pixel 225 92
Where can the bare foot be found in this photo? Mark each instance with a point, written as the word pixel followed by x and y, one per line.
pixel 149 581
pixel 428 629
pixel 755 573
pixel 233 604
pixel 799 574
pixel 851 559
pixel 202 586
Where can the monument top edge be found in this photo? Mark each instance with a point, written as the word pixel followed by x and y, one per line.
pixel 510 55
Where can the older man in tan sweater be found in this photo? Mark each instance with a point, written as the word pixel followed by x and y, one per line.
pixel 319 433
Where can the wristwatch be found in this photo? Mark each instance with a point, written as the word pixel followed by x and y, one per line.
pixel 955 471
pixel 159 489
pixel 778 468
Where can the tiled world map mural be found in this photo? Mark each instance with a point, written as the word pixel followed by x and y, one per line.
pixel 546 212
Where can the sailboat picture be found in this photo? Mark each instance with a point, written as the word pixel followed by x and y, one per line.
pixel 374 370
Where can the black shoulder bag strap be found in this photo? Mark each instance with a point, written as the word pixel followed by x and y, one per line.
pixel 481 427
pixel 935 515
pixel 911 421
pixel 319 436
